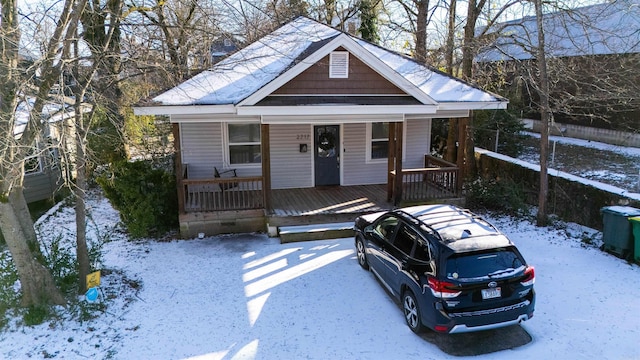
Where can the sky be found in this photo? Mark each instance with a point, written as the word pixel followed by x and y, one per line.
pixel 246 296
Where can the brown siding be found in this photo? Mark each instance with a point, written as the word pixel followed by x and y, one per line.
pixel 362 80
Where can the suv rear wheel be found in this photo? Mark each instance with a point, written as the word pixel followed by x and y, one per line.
pixel 411 311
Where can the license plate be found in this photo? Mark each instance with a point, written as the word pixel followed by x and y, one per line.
pixel 491 293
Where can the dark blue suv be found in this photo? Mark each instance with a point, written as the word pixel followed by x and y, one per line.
pixel 451 270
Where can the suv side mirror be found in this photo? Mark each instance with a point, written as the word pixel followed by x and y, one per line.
pixel 368 230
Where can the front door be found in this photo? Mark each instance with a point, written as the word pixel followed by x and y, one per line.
pixel 327 154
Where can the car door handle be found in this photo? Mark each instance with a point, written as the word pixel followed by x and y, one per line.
pixel 403 264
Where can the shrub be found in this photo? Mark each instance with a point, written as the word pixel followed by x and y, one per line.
pixel 502 195
pixel 9 296
pixel 145 197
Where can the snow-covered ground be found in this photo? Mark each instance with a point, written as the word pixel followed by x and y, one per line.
pixel 249 297
pixel 615 165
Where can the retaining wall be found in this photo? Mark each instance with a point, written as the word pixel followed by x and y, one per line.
pixel 572 198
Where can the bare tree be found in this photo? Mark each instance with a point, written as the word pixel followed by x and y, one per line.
pixel 419 14
pixel 37 284
pixel 105 60
pixel 545 111
pixel 180 31
pixel 101 32
pixel 574 64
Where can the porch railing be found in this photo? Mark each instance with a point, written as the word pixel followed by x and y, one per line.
pixel 439 179
pixel 220 193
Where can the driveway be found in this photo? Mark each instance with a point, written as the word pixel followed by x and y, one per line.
pixel 248 296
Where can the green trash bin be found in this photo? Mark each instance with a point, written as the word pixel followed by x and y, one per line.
pixel 616 232
pixel 635 223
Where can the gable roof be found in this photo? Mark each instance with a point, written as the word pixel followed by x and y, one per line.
pixel 249 75
pixel 602 29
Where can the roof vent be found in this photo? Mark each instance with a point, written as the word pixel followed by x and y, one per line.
pixel 339 65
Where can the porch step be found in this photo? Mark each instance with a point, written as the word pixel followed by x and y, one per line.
pixel 295 233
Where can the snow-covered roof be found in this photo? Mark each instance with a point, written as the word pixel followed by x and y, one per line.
pixel 291 48
pixel 52 112
pixel 602 29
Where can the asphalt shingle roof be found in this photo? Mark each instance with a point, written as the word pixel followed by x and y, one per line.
pixel 247 71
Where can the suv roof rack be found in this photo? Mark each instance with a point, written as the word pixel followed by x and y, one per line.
pixel 419 222
pixel 465 214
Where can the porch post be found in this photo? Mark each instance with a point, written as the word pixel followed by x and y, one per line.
pixel 462 144
pixel 397 198
pixel 265 150
pixel 178 166
pixel 391 160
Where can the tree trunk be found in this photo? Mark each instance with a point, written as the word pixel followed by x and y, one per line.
pixel 468 51
pixel 451 33
pixel 421 30
pixel 82 253
pixel 452 135
pixel 545 113
pixel 38 286
pixel 452 141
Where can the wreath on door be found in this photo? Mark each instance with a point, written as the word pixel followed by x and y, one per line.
pixel 326 141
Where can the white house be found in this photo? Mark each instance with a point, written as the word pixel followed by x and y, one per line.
pixel 308 107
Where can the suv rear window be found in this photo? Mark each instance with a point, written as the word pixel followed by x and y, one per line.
pixel 484 265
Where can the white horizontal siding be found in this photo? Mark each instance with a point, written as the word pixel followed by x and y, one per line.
pixel 418 142
pixel 42 185
pixel 356 169
pixel 291 168
pixel 202 148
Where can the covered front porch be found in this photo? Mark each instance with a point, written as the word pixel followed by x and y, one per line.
pixel 239 204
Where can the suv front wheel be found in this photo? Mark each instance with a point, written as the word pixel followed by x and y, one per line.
pixel 411 311
pixel 361 253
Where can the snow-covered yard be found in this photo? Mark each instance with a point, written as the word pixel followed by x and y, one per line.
pixel 610 164
pixel 250 297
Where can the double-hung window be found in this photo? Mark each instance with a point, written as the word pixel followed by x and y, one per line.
pixel 244 143
pixel 33 162
pixel 379 140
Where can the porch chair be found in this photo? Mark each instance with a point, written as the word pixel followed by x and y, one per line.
pixel 232 174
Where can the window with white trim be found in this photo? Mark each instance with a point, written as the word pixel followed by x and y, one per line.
pixel 339 65
pixel 379 142
pixel 33 163
pixel 244 143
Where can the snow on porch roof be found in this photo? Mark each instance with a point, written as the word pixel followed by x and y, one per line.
pixel 250 69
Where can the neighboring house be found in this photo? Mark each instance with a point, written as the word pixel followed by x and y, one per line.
pixel 221 48
pixel 593 59
pixel 44 175
pixel 308 107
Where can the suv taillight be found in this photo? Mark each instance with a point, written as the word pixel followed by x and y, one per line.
pixel 442 289
pixel 529 276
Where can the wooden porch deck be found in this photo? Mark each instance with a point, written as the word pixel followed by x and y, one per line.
pixel 222 205
pixel 334 204
pixel 330 200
